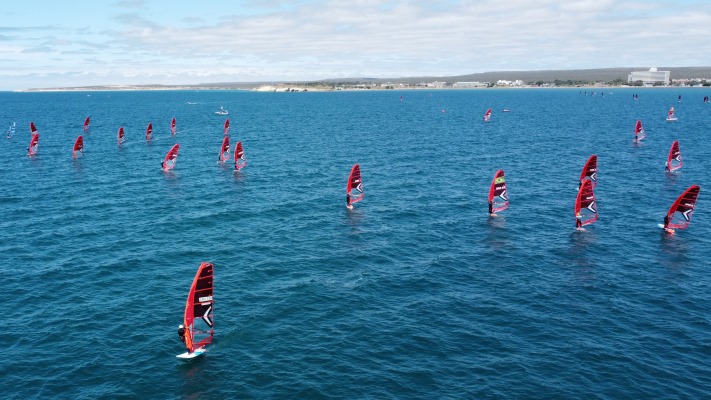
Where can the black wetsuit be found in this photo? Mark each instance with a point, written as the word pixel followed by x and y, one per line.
pixel 666 222
pixel 578 223
pixel 491 207
pixel 181 333
pixel 348 199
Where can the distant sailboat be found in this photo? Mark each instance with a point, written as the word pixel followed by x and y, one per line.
pixel 121 138
pixel 674 158
pixel 498 196
pixel 589 172
pixel 679 214
pixel 171 158
pixel 671 116
pixel 240 161
pixel 638 131
pixel 34 144
pixel 78 147
pixel 224 150
pixel 585 207
pixel 222 111
pixel 10 131
pixel 354 187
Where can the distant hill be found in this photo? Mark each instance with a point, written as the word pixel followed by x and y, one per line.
pixel 593 75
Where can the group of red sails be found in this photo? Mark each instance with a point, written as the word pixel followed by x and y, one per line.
pixel 586 213
pixel 171 157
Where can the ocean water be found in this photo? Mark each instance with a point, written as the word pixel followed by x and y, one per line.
pixel 416 293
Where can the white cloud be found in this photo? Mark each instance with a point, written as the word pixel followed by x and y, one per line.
pixel 313 40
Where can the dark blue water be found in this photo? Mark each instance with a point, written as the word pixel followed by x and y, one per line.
pixel 416 293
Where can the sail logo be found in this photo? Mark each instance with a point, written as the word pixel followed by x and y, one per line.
pixel 206 316
pixel 204 299
pixel 687 214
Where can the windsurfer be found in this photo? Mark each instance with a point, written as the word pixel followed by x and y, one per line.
pixel 666 166
pixel 578 222
pixel 348 201
pixel 491 208
pixel 181 333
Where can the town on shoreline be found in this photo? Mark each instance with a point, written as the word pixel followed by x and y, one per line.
pixel 598 78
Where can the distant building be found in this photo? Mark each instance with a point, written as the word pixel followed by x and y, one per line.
pixel 470 84
pixel 649 77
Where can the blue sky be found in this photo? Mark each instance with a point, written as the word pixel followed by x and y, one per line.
pixel 79 43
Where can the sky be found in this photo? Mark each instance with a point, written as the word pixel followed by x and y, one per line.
pixel 49 43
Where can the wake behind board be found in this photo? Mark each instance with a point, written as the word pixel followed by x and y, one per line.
pixel 189 356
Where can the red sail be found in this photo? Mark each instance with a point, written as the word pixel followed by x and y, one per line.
pixel 225 149
pixel 149 132
pixel 78 146
pixel 120 136
pixel 354 187
pixel 638 130
pixel 172 126
pixel 585 204
pixel 227 126
pixel 498 196
pixel 86 124
pixel 674 159
pixel 240 161
pixel 487 115
pixel 171 158
pixel 198 320
pixel 33 128
pixel 671 116
pixel 589 171
pixel 34 144
pixel 679 214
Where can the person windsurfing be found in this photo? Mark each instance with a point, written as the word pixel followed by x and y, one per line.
pixel 578 222
pixel 491 208
pixel 666 227
pixel 181 333
pixel 348 201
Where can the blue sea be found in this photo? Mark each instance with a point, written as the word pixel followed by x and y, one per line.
pixel 415 293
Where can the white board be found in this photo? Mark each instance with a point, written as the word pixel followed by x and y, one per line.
pixel 189 356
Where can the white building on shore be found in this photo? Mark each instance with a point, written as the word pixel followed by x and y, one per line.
pixel 650 77
pixel 470 84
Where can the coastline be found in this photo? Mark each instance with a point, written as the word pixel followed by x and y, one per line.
pixel 298 88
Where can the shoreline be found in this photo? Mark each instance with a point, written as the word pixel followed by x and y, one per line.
pixel 301 89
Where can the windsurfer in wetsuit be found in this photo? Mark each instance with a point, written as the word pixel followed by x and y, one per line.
pixel 348 201
pixel 666 222
pixel 666 166
pixel 578 222
pixel 181 333
pixel 491 208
